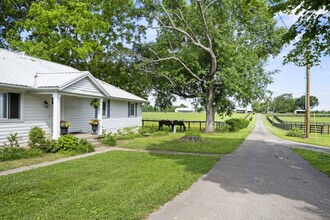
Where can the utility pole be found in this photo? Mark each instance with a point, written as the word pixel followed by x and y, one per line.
pixel 307 102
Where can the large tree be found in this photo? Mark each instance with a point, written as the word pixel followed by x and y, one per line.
pixel 300 102
pixel 310 33
pixel 87 35
pixel 213 50
pixel 284 103
pixel 11 11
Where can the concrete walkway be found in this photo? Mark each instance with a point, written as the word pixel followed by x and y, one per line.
pixel 262 179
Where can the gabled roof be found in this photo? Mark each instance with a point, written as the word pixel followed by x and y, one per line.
pixel 117 93
pixel 21 70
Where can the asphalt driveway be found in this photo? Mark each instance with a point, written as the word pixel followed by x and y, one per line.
pixel 262 179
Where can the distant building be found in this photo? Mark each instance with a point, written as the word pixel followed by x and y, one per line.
pixel 240 111
pixel 184 110
pixel 299 111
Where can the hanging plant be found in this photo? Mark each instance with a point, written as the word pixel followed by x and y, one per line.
pixel 95 103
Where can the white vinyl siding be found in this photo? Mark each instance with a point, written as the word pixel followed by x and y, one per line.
pixel 83 87
pixel 78 112
pixel 22 129
pixel 35 109
pixel 119 118
pixel 34 114
pixel 118 109
pixel 113 124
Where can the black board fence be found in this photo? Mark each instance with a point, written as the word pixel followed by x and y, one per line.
pixel 190 124
pixel 314 128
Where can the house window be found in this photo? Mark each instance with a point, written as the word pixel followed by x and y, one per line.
pixel 106 109
pixel 3 105
pixel 132 109
pixel 10 105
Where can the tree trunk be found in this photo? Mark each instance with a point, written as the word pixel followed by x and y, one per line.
pixel 210 112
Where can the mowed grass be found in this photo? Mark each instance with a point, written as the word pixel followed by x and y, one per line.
pixel 301 119
pixel 113 185
pixel 190 116
pixel 315 139
pixel 6 165
pixel 219 143
pixel 318 160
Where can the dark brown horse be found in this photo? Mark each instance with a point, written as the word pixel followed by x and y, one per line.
pixel 180 123
pixel 165 122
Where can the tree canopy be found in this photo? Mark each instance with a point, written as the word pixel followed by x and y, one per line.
pixel 87 35
pixel 11 11
pixel 284 103
pixel 300 102
pixel 311 29
pixel 211 50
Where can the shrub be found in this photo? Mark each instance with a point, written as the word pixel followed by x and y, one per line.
pixel 224 128
pixel 67 143
pixel 37 137
pixel 13 140
pixel 84 146
pixel 108 140
pixel 236 124
pixel 50 146
pixel 148 130
pixel 14 153
pixel 295 132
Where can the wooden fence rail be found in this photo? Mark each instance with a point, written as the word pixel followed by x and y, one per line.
pixel 314 128
pixel 188 123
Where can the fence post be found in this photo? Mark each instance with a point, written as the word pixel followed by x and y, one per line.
pixel 200 126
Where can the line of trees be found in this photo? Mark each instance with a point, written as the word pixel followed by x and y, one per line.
pixel 284 103
pixel 213 51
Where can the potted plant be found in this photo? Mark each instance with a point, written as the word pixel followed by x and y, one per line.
pixel 96 104
pixel 64 125
pixel 95 123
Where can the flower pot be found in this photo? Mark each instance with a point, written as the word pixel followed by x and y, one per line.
pixel 64 130
pixel 94 128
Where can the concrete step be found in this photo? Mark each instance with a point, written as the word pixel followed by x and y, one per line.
pixel 93 139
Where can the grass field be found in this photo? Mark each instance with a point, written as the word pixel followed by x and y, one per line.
pixel 113 185
pixel 185 116
pixel 301 119
pixel 320 161
pixel 6 165
pixel 316 139
pixel 220 143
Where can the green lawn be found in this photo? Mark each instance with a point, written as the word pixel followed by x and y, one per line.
pixel 185 116
pixel 113 185
pixel 6 165
pixel 315 139
pixel 220 143
pixel 320 161
pixel 301 119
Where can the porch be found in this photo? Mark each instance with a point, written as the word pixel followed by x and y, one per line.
pixel 74 109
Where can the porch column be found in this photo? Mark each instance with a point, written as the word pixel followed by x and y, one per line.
pixel 56 115
pixel 99 116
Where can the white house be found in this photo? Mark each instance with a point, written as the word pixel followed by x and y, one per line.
pixel 35 92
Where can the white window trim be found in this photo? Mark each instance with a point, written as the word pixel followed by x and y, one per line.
pixel 21 112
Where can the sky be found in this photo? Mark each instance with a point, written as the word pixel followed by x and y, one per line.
pixel 291 78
